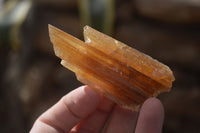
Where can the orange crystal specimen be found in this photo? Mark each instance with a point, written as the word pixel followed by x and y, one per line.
pixel 119 72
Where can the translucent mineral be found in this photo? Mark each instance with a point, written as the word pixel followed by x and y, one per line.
pixel 110 67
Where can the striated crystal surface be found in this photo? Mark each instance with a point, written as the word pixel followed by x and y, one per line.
pixel 117 71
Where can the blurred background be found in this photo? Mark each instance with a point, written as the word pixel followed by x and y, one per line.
pixel 32 79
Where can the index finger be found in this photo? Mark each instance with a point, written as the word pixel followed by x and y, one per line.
pixel 151 117
pixel 65 114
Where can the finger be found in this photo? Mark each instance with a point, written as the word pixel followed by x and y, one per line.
pixel 96 121
pixel 122 121
pixel 64 115
pixel 151 117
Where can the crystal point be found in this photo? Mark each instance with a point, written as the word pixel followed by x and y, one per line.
pixel 117 71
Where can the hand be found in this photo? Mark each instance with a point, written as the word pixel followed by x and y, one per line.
pixel 85 111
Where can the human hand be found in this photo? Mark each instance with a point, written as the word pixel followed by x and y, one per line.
pixel 85 111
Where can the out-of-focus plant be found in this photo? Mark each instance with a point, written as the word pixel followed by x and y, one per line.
pixel 98 14
pixel 12 17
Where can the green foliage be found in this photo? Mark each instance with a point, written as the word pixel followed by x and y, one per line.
pixel 98 14
pixel 11 19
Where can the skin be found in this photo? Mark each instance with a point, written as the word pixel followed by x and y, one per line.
pixel 85 111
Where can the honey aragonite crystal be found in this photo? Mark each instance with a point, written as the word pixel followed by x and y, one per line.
pixel 117 71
